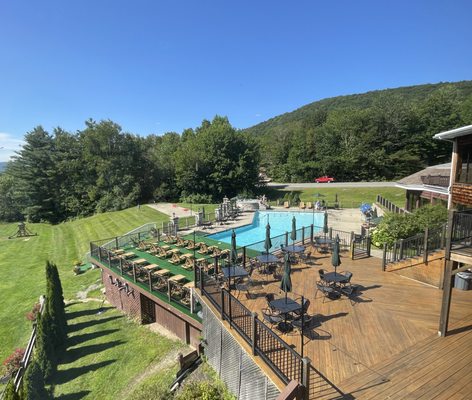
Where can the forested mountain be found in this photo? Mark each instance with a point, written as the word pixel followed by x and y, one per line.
pixel 385 134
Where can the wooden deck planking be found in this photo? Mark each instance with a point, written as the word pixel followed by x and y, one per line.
pixel 391 315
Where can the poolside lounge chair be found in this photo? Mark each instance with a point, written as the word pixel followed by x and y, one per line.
pixel 203 249
pixel 181 242
pixel 188 265
pixel 175 259
pixel 302 205
pixel 170 239
pixel 144 246
pixel 309 205
pixel 286 204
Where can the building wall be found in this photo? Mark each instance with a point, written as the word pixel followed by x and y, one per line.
pixel 133 302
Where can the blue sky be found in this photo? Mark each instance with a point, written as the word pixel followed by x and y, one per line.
pixel 155 66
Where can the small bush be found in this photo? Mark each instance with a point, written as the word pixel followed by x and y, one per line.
pixel 203 390
pixel 13 361
pixel 197 198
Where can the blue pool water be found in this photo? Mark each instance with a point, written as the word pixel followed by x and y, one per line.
pixel 253 235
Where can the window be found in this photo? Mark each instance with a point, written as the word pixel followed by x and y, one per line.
pixel 464 163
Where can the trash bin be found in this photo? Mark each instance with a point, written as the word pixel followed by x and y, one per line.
pixel 463 281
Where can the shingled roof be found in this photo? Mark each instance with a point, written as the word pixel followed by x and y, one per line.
pixel 434 170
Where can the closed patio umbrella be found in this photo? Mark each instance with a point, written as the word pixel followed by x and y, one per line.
pixel 335 257
pixel 325 223
pixel 286 282
pixel 267 242
pixel 234 252
pixel 293 234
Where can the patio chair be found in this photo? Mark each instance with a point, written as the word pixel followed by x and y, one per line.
pixel 307 320
pixel 305 306
pixel 244 286
pixel 269 297
pixel 309 205
pixel 272 318
pixel 175 259
pixel 170 239
pixel 286 204
pixel 321 273
pixel 302 205
pixel 327 291
pixel 347 281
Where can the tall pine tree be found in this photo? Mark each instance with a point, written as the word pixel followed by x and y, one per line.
pixel 45 350
pixel 10 393
pixel 55 304
pixel 33 383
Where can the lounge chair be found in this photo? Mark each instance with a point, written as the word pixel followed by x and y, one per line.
pixel 309 205
pixel 181 242
pixel 170 239
pixel 203 249
pixel 188 265
pixel 286 204
pixel 175 259
pixel 302 205
pixel 144 246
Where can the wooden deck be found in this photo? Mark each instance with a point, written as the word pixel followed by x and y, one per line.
pixel 356 341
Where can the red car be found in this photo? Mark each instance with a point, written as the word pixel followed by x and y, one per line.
pixel 324 179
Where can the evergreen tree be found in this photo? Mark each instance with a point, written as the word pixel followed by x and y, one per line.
pixel 45 351
pixel 55 304
pixel 10 393
pixel 33 383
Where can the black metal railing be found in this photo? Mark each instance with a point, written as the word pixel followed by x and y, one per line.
pixel 461 226
pixel 277 354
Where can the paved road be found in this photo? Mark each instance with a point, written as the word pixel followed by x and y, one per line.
pixel 332 184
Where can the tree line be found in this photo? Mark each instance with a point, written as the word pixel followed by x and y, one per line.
pixel 62 175
pixel 382 135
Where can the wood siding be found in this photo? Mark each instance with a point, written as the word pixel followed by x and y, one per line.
pixel 462 194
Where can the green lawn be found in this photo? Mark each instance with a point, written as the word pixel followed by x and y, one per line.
pixel 347 197
pixel 22 263
pixel 108 355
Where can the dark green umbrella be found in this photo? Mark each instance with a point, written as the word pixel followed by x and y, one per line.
pixel 234 252
pixel 325 223
pixel 293 234
pixel 286 282
pixel 335 257
pixel 268 242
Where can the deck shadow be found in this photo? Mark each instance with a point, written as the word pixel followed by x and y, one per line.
pixel 85 337
pixel 81 313
pixel 82 325
pixel 70 374
pixel 74 396
pixel 73 355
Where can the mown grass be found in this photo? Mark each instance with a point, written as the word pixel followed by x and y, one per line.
pixel 347 197
pixel 22 264
pixel 108 354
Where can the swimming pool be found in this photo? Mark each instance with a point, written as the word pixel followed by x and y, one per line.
pixel 253 235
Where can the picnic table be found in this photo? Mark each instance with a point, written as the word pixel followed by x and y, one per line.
pixel 151 267
pixel 140 261
pixel 177 278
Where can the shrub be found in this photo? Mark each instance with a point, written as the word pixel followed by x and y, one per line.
pixel 13 361
pixel 203 390
pixel 10 393
pixel 401 226
pixel 33 314
pixel 33 384
pixel 196 198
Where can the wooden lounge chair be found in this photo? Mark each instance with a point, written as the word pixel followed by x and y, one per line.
pixel 170 239
pixel 175 259
pixel 286 204
pixel 181 242
pixel 216 251
pixel 192 245
pixel 309 205
pixel 302 205
pixel 203 249
pixel 225 253
pixel 144 246
pixel 188 265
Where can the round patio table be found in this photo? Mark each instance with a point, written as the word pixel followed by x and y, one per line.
pixel 294 249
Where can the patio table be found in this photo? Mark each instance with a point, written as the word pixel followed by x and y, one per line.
pixel 161 272
pixel 334 277
pixel 234 272
pixel 151 266
pixel 285 306
pixel 294 249
pixel 140 261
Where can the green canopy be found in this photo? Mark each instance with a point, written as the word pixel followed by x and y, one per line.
pixel 293 234
pixel 325 223
pixel 234 252
pixel 268 242
pixel 335 257
pixel 286 282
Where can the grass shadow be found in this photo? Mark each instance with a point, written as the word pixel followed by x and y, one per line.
pixel 73 355
pixel 78 339
pixel 82 325
pixel 74 396
pixel 70 374
pixel 82 313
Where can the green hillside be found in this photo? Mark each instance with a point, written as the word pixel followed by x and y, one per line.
pixel 384 134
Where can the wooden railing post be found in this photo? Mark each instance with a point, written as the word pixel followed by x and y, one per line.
pixel 306 377
pixel 254 333
pixel 384 257
pixel 369 245
pixel 425 245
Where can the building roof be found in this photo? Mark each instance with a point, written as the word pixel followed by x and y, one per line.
pixel 454 133
pixel 414 181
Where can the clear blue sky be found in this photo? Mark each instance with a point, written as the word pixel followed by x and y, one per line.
pixel 155 66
